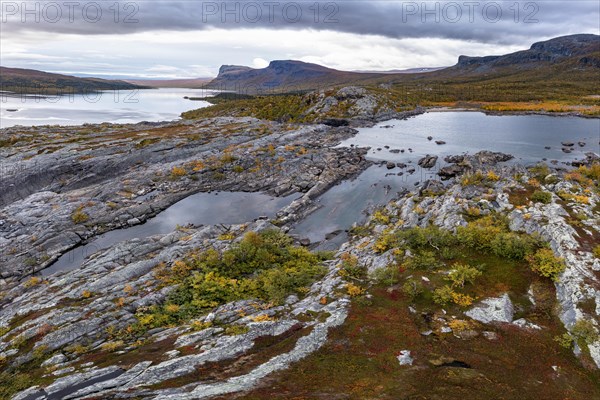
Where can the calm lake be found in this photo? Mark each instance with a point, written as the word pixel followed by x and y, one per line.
pixel 525 137
pixel 197 209
pixel 119 106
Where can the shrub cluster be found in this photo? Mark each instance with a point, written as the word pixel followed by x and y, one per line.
pixel 264 266
pixel 540 196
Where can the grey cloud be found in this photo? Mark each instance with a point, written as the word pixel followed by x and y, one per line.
pixel 394 19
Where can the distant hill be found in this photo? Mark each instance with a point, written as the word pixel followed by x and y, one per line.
pixel 289 74
pixel 406 71
pixel 579 50
pixel 193 83
pixel 21 80
pixel 567 58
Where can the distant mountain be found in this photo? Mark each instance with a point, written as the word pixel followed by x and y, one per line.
pixel 192 83
pixel 406 71
pixel 582 50
pixel 564 58
pixel 288 74
pixel 21 80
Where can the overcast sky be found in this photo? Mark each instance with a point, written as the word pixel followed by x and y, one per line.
pixel 176 39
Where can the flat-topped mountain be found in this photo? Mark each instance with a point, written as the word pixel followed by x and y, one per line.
pixel 22 80
pixel 583 48
pixel 294 75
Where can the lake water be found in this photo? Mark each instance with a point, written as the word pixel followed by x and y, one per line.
pixel 525 137
pixel 197 209
pixel 122 106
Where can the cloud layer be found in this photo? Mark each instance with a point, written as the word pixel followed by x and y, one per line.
pixel 166 38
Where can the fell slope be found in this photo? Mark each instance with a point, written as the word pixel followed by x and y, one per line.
pixel 21 80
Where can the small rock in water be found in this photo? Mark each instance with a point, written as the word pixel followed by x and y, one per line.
pixel 333 234
pixel 581 144
pixel 440 142
pixel 547 147
pixel 390 165
pixel 568 144
pixel 429 138
pixel 428 161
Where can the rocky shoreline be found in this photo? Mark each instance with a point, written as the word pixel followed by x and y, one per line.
pixel 85 333
pixel 105 181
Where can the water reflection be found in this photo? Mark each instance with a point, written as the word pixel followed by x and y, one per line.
pixel 198 209
pixel 122 106
pixel 525 137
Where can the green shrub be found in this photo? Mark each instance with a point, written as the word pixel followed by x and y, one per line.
pixel 461 274
pixel 412 288
pixel 423 260
pixel 565 340
pixel 596 251
pixel 387 276
pixel 234 330
pixel 430 236
pixel 545 263
pixel 513 245
pixel 11 383
pixel 350 268
pixel 443 295
pixel 262 266
pixel 585 331
pixel 540 196
pixel 480 233
pixel 540 171
pixel 78 216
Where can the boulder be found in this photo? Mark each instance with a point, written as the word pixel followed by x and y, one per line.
pixel 497 309
pixel 432 187
pixel 450 171
pixel 428 161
